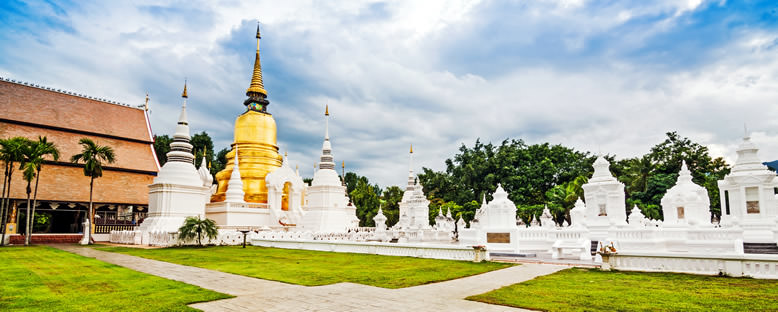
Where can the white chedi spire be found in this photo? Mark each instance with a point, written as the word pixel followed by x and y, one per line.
pixel 180 148
pixel 205 174
pixel 235 192
pixel 602 170
pixel 326 175
pixel 747 158
pixel 326 160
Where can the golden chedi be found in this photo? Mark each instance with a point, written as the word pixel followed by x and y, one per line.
pixel 255 137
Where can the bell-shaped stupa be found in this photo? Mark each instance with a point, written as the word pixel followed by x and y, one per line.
pixel 255 135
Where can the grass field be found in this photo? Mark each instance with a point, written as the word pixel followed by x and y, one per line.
pixel 594 290
pixel 40 278
pixel 312 268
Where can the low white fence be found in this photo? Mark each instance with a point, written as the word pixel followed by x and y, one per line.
pixel 167 239
pixel 447 252
pixel 756 266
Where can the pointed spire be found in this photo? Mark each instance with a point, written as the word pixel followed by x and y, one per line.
pixel 183 94
pixel 180 148
pixel 326 123
pixel 235 192
pixel 326 160
pixel 257 85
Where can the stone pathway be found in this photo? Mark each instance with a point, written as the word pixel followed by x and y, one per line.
pixel 254 294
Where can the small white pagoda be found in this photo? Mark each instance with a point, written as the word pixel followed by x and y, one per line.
pixel 605 204
pixel 496 225
pixel 748 196
pixel 414 207
pixel 686 203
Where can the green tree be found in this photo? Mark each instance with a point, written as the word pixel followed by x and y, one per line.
pixel 11 152
pixel 526 172
pixel 35 155
pixel 220 162
pixel 93 156
pixel 648 178
pixel 196 228
pixel 162 147
pixel 390 204
pixel 367 199
pixel 202 141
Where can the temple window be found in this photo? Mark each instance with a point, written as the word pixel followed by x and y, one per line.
pixel 752 200
pixel 603 211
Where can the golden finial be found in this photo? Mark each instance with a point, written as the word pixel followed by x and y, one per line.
pixel 257 86
pixel 326 110
pixel 146 105
pixel 411 148
pixel 286 153
pixel 209 164
pixel 184 95
pixel 343 164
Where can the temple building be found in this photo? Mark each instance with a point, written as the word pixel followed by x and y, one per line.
pixel 259 189
pixel 64 117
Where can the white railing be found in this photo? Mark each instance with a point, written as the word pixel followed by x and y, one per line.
pixel 167 239
pixel 448 252
pixel 757 266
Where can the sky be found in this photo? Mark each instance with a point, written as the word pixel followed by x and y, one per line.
pixel 607 77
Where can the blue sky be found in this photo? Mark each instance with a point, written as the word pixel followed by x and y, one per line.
pixel 608 76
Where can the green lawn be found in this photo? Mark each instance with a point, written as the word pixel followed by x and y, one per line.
pixel 594 290
pixel 40 278
pixel 313 268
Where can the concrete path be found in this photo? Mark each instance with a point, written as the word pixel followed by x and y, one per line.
pixel 254 294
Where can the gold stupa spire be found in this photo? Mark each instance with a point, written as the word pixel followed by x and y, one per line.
pixel 326 110
pixel 184 95
pixel 411 148
pixel 257 86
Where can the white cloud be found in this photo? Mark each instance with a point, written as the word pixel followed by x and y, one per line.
pixel 379 67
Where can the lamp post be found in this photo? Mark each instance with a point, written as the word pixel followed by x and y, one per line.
pixel 244 236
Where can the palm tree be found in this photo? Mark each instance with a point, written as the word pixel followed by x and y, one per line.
pixel 10 152
pixel 38 150
pixel 196 227
pixel 93 156
pixel 28 173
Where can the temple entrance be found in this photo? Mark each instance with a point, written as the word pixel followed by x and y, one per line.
pixel 52 218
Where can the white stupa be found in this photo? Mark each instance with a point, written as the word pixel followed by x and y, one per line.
pixel 748 195
pixel 605 204
pixel 327 209
pixel 414 207
pixel 234 193
pixel 178 190
pixel 686 203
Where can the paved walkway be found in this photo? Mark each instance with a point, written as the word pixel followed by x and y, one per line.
pixel 254 294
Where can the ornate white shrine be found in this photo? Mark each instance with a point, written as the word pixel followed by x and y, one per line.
pixel 748 196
